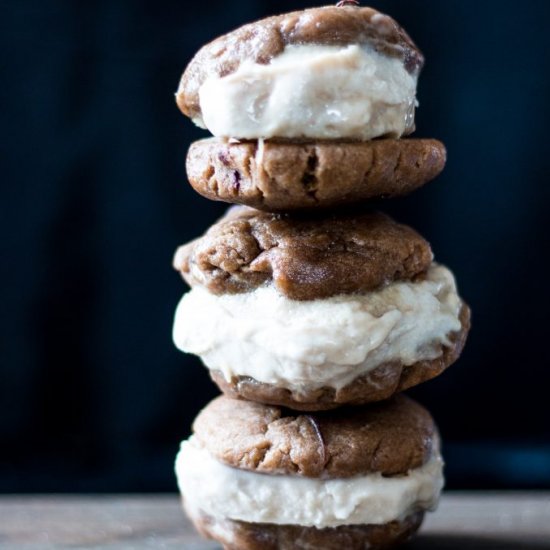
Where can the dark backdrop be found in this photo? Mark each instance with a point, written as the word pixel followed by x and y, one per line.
pixel 93 395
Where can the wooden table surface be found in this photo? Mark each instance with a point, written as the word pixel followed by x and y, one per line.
pixel 504 521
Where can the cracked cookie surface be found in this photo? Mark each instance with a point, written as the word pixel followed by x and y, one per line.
pixel 278 176
pixel 389 438
pixel 306 257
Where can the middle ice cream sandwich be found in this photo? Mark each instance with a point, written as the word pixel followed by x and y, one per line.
pixel 315 312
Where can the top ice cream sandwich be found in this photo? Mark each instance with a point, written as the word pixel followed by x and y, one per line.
pixel 345 73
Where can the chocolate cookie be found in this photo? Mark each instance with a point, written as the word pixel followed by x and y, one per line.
pixel 278 176
pixel 262 41
pixel 254 476
pixel 306 258
pixel 240 535
pixel 390 438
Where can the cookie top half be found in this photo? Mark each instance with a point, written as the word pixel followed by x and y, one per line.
pixel 283 176
pixel 389 438
pixel 306 257
pixel 325 73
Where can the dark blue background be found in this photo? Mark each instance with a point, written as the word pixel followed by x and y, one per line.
pixel 93 395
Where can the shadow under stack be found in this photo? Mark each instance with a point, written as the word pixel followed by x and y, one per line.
pixel 312 312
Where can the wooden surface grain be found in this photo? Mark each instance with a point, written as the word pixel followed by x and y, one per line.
pixel 504 521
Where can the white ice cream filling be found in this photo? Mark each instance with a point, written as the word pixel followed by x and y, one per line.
pixel 225 492
pixel 312 91
pixel 303 345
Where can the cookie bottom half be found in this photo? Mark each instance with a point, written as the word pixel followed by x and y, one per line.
pixel 239 535
pixel 279 176
pixel 377 385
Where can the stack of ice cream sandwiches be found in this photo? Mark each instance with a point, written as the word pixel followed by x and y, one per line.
pixel 311 311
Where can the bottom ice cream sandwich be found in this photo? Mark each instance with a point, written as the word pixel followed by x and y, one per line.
pixel 256 476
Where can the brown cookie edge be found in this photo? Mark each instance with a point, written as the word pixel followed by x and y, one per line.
pixel 240 535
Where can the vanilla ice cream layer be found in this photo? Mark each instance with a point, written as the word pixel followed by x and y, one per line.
pixel 312 91
pixel 225 492
pixel 304 345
